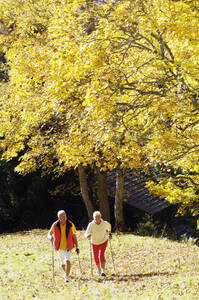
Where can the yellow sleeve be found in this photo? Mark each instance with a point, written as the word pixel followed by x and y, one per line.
pixel 73 229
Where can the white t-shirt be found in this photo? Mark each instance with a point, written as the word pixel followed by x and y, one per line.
pixel 99 232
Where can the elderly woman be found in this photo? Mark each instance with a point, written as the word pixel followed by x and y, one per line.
pixel 99 231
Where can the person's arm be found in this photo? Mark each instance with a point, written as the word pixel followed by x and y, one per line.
pixel 76 243
pixel 88 232
pixel 75 238
pixel 50 233
pixel 109 231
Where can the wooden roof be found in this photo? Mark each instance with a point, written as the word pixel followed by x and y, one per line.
pixel 137 194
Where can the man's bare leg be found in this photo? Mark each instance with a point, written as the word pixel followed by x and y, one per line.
pixel 64 268
pixel 68 267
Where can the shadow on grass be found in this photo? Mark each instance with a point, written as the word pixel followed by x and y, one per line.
pixel 125 277
pixel 137 277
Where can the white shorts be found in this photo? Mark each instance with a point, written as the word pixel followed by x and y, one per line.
pixel 64 255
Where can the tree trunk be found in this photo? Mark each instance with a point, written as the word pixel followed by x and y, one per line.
pixel 119 194
pixel 85 191
pixel 103 195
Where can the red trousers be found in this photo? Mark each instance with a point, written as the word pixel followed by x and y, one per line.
pixel 98 251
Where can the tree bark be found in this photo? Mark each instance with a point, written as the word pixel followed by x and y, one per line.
pixel 85 191
pixel 103 195
pixel 3 29
pixel 119 194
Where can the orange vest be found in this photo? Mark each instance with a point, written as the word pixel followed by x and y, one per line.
pixel 57 235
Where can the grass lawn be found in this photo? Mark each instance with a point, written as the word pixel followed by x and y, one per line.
pixel 146 268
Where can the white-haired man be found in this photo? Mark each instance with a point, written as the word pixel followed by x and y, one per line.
pixel 99 231
pixel 63 235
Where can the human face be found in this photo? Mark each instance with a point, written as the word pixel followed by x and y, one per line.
pixel 97 219
pixel 62 218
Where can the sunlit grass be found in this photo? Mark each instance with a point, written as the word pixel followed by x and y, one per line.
pixel 146 268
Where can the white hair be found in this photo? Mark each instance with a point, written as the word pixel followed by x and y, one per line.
pixel 96 213
pixel 60 212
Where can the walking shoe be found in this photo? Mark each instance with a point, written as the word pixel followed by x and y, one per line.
pixel 98 272
pixel 66 279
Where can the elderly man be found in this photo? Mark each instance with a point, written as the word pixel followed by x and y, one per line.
pixel 99 231
pixel 63 235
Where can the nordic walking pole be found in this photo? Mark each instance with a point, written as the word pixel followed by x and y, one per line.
pixel 111 251
pixel 53 265
pixel 91 260
pixel 78 282
pixel 112 256
pixel 79 264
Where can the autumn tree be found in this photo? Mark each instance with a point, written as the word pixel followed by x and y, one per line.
pixel 105 83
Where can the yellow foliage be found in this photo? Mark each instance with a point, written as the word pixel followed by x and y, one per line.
pixel 92 82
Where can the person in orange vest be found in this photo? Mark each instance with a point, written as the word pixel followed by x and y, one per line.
pixel 63 236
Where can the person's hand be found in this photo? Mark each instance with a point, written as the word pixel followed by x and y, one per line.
pixel 77 250
pixel 89 236
pixel 109 234
pixel 51 238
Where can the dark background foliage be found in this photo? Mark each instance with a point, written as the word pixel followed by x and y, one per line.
pixel 32 201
